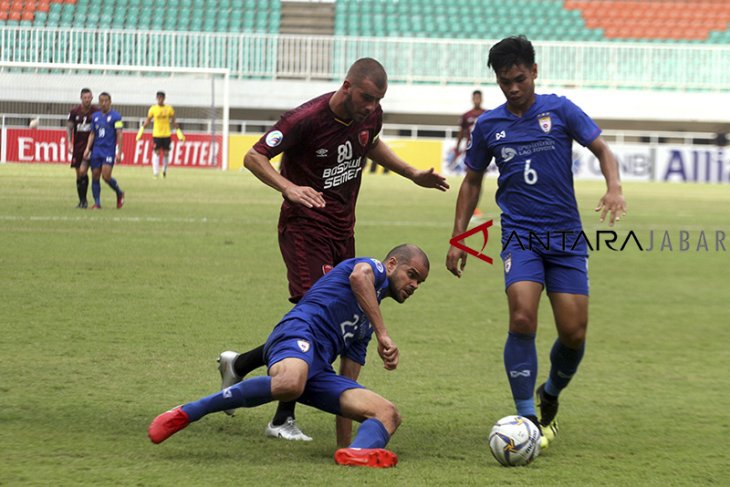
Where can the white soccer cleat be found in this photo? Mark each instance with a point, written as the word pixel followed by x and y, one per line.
pixel 228 375
pixel 287 431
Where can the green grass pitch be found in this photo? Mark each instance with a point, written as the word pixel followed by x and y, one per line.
pixel 110 317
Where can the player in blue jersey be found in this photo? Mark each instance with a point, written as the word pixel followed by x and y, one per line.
pixel 530 138
pixel 104 148
pixel 336 317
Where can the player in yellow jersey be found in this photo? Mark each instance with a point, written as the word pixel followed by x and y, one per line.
pixel 164 117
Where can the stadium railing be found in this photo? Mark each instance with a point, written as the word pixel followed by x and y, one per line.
pixel 605 65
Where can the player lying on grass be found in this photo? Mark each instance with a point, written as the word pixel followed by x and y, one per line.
pixel 336 317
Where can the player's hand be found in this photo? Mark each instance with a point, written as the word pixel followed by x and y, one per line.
pixel 304 195
pixel 388 351
pixel 180 135
pixel 86 155
pixel 430 179
pixel 612 203
pixel 139 133
pixel 70 147
pixel 455 260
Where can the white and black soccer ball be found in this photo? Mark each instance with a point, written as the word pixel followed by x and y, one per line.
pixel 514 441
pixel 34 123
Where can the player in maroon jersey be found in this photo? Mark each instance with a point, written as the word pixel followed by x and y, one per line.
pixel 78 128
pixel 325 143
pixel 468 119
pixel 466 123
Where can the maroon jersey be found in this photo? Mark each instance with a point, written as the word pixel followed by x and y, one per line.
pixel 82 125
pixel 468 120
pixel 327 154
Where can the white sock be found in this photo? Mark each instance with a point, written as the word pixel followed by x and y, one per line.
pixel 165 158
pixel 155 164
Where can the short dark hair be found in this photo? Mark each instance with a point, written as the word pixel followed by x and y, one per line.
pixel 511 51
pixel 476 92
pixel 161 93
pixel 368 68
pixel 406 253
pixel 104 93
pixel 85 90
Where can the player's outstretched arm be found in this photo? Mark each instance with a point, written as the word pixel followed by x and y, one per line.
pixel 362 283
pixel 343 426
pixel 384 155
pixel 466 202
pixel 260 166
pixel 143 126
pixel 612 202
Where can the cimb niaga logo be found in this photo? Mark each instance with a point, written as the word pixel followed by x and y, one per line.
pixel 484 229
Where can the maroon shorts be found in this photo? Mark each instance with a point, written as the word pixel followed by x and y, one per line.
pixel 308 256
pixel 77 156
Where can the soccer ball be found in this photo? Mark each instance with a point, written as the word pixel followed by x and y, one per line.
pixel 34 123
pixel 514 441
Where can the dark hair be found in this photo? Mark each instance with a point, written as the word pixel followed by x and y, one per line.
pixel 511 51
pixel 85 90
pixel 104 93
pixel 476 92
pixel 406 253
pixel 368 68
pixel 161 93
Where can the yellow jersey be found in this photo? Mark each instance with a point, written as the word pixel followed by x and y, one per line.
pixel 161 116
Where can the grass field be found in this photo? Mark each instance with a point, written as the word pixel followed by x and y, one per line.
pixel 110 317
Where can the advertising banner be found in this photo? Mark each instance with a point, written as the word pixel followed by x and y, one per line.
pixel 50 146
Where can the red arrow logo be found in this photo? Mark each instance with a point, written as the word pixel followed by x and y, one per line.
pixel 455 241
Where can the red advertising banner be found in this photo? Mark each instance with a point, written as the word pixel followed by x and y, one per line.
pixel 50 146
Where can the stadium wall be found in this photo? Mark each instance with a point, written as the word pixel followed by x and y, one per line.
pixel 694 111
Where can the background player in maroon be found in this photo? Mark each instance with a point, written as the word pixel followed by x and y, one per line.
pixel 325 143
pixel 78 128
pixel 466 123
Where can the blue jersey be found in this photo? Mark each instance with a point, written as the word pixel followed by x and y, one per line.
pixel 534 157
pixel 338 324
pixel 105 127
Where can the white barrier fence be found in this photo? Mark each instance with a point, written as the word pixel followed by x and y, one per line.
pixel 604 65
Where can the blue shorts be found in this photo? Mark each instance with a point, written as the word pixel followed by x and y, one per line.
pixel 558 272
pixel 293 339
pixel 98 161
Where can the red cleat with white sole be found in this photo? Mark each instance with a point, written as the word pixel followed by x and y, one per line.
pixel 366 457
pixel 167 424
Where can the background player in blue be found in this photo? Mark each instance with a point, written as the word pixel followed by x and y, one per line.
pixel 336 317
pixel 104 146
pixel 530 137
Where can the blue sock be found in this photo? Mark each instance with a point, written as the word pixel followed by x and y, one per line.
pixel 563 365
pixel 113 184
pixel 248 394
pixel 520 362
pixel 96 191
pixel 371 434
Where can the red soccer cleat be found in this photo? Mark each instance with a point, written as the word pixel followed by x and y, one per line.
pixel 366 457
pixel 167 424
pixel 120 199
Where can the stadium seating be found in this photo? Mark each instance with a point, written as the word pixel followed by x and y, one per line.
pixel 565 20
pixel 260 16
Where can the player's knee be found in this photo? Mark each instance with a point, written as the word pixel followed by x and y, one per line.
pixel 287 387
pixel 575 337
pixel 522 322
pixel 389 416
